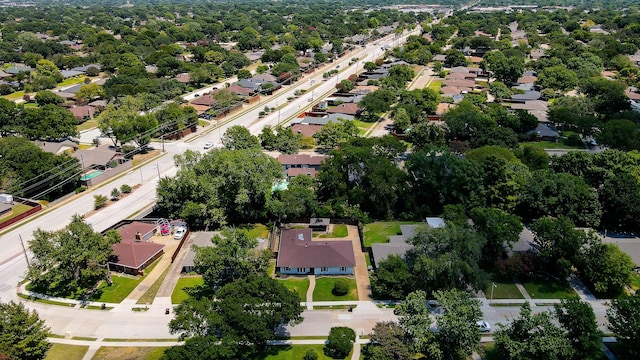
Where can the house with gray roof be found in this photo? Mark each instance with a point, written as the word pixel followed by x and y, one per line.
pixel 397 244
pixel 70 73
pixel 544 132
pixel 528 96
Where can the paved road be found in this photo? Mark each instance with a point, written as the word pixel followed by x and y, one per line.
pixel 121 322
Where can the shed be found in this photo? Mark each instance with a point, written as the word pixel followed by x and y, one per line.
pixel 319 224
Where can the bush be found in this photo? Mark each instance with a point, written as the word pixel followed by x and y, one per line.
pixel 127 150
pixel 80 189
pixel 520 265
pixel 574 140
pixel 340 287
pixel 340 342
pixel 125 189
pixel 99 201
pixel 115 193
pixel 311 354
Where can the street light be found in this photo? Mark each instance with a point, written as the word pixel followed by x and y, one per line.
pixel 493 286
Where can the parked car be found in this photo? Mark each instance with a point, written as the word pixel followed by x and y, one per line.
pixel 179 233
pixel 483 326
pixel 208 145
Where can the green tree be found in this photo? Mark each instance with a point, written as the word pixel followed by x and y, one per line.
pixel 388 341
pixel 560 243
pixel 499 90
pixel 377 102
pixel 340 342
pixel 48 122
pixel 457 330
pixel 605 268
pixel 532 337
pixel 69 262
pixel 123 123
pixel 498 228
pixel 333 134
pixel 620 199
pixel 426 134
pixel 413 317
pixel 392 279
pixel 8 113
pixel 620 134
pixel 506 69
pixel 239 138
pixel 23 335
pixel 454 58
pixel 45 97
pixel 557 78
pixel 89 92
pixel 401 120
pixel 579 321
pixel 608 96
pixel 299 199
pixel 534 156
pixel 624 322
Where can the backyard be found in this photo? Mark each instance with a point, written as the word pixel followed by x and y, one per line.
pixel 324 287
pixel 179 294
pixel 379 232
pixel 339 231
pixel 299 285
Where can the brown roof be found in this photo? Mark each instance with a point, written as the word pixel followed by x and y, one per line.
pixel 292 172
pixel 305 129
pixel 297 250
pixel 474 59
pixel 527 79
pixel 183 78
pixel 443 108
pixel 82 112
pixel 632 95
pixel 345 108
pixel 462 76
pixel 459 83
pixel 240 90
pixel 302 159
pixel 531 105
pixel 200 109
pixel 100 156
pixel 128 232
pixel 134 254
pixel 364 89
pixel 206 99
pixel 454 90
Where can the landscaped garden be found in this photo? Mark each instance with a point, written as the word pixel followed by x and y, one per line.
pixel 299 285
pixel 379 232
pixel 179 292
pixel 324 289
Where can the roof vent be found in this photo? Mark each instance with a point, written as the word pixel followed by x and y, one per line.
pixel 301 237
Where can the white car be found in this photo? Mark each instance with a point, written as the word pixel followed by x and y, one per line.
pixel 208 145
pixel 483 326
pixel 179 233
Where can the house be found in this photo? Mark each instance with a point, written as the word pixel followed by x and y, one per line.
pixel 293 172
pixel 306 130
pixel 301 161
pixel 364 89
pixel 183 78
pixel 527 96
pixel 440 57
pixel 454 90
pixel 459 83
pixel 206 100
pixel 537 54
pixel 85 68
pixel 397 244
pixel 57 147
pixel 527 79
pixel 97 158
pixel 70 73
pixel 262 78
pixel 298 254
pixel 188 264
pixel 240 91
pixel 6 203
pixel 14 70
pixel 135 252
pixel 462 76
pixel 544 132
pixel 346 108
pixel 83 113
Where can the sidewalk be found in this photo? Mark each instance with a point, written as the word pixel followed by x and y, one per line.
pixel 581 289
pixel 312 286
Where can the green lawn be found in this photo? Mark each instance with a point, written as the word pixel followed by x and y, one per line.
pixel 504 290
pixel 379 232
pixel 16 210
pixel 324 286
pixel 435 85
pixel 539 288
pixel 554 145
pixel 122 286
pixel 89 124
pixel 271 268
pixel 66 352
pixel 339 231
pixel 14 96
pixel 150 294
pixel 256 230
pixel 292 352
pixel 129 353
pixel 179 294
pixel 363 124
pixel 72 81
pixel 367 258
pixel 299 285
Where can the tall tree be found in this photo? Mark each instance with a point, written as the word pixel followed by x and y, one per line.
pixel 333 135
pixel 624 322
pixel 620 199
pixel 239 138
pixel 23 335
pixel 506 69
pixel 388 341
pixel 69 262
pixel 620 134
pixel 560 243
pixel 605 268
pixel 579 321
pixel 608 96
pixel 413 316
pixel 532 337
pixel 457 330
pixel 498 228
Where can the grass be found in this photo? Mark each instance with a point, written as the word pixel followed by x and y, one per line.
pixel 635 282
pixel 324 286
pixel 119 290
pixel 45 301
pixel 84 338
pixel 94 307
pixel 488 351
pixel 339 231
pixel 179 294
pixel 504 289
pixel 292 352
pixel 256 230
pixel 138 340
pixel 15 96
pixel 89 124
pixel 363 124
pixel 299 285
pixel 16 210
pixel 141 158
pixel 203 123
pixel 367 258
pixel 435 85
pixel 271 268
pixel 66 352
pixel 129 353
pixel 72 81
pixel 539 288
pixel 379 232
pixel 150 294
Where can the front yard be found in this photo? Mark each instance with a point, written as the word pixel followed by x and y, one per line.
pixel 129 353
pixel 179 292
pixel 324 287
pixel 121 288
pixel 379 232
pixel 299 285
pixel 548 288
pixel 504 289
pixel 66 352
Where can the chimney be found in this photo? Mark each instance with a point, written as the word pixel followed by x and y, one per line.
pixel 138 236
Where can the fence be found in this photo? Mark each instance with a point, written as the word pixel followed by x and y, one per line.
pixel 35 208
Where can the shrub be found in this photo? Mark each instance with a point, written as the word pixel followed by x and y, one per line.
pixel 311 354
pixel 99 201
pixel 574 140
pixel 125 189
pixel 340 342
pixel 115 193
pixel 127 150
pixel 113 163
pixel 340 287
pixel 80 189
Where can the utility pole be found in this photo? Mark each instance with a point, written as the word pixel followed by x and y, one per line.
pixel 24 249
pixel 158 167
pixel 493 286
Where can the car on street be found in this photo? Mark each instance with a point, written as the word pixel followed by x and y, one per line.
pixel 179 233
pixel 208 145
pixel 483 326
